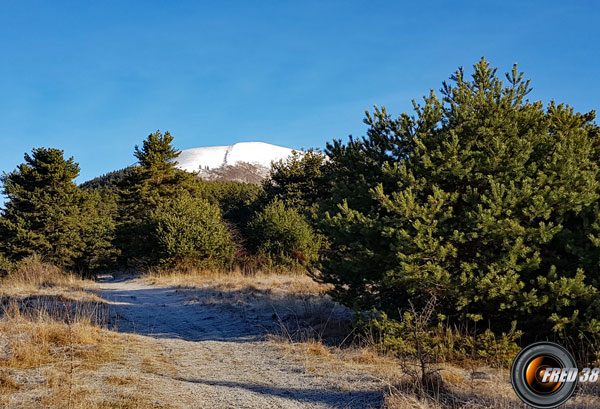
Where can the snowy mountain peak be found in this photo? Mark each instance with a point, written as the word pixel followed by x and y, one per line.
pixel 213 157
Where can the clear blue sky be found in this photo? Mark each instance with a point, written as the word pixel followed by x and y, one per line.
pixel 95 78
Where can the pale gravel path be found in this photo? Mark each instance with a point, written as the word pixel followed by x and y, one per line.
pixel 221 357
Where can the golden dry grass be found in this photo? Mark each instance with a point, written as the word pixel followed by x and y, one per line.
pixel 56 356
pixel 57 364
pixel 284 283
pixel 54 343
pixel 33 341
pixel 475 388
pixel 37 278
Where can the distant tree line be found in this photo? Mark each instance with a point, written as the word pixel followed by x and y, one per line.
pixel 482 199
pixel 145 216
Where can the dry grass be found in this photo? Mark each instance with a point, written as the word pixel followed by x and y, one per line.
pixel 476 388
pixel 121 380
pixel 307 327
pixel 290 283
pixel 8 384
pixel 44 359
pixel 45 363
pixel 54 343
pixel 33 341
pixel 60 356
pixel 158 363
pixel 38 278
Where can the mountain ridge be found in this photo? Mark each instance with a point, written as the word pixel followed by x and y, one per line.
pixel 247 162
pixel 213 157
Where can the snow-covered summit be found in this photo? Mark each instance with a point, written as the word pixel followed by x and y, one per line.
pixel 212 157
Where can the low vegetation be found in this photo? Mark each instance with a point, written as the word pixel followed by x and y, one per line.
pixel 56 347
pixel 284 236
pixel 188 230
pixel 285 282
pixel 317 333
pixel 57 351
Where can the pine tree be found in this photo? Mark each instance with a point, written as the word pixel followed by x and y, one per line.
pixel 154 180
pixel 238 201
pixel 283 235
pixel 298 180
pixel 188 231
pixel 483 199
pixel 157 157
pixel 47 214
pixel 98 213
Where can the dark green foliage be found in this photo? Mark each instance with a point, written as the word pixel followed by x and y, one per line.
pixel 153 181
pixel 405 336
pixel 99 210
pixel 301 183
pixel 483 199
pixel 41 214
pixel 284 235
pixel 298 181
pixel 189 231
pixel 157 176
pixel 6 265
pixel 238 201
pixel 48 215
pixel 110 180
pixel 157 154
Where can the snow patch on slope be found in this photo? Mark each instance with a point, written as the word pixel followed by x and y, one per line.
pixel 212 157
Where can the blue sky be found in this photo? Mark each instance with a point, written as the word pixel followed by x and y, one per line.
pixel 95 78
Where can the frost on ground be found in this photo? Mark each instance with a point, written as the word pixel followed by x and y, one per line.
pixel 210 340
pixel 219 355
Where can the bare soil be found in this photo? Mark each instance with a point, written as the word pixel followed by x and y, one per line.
pixel 218 354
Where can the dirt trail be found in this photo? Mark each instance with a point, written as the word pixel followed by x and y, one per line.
pixel 221 358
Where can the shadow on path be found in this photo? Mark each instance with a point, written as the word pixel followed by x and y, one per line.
pixel 238 320
pixel 333 398
pixel 167 313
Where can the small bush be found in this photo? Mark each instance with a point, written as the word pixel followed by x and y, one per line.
pixel 438 341
pixel 34 271
pixel 5 265
pixel 190 231
pixel 284 236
